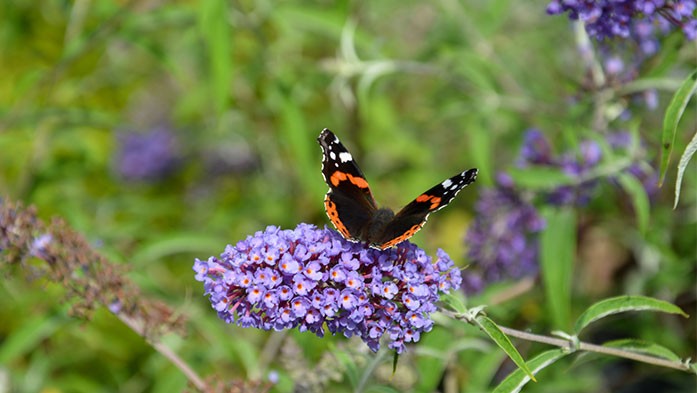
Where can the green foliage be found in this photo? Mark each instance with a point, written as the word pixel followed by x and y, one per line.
pixel 557 250
pixel 674 113
pixel 419 91
pixel 515 381
pixel 620 304
pixel 495 333
pixel 682 165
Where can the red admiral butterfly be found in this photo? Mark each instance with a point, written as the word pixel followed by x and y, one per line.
pixel 353 211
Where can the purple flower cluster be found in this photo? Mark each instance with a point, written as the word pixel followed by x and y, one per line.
pixel 147 156
pixel 310 278
pixel 503 240
pixel 623 143
pixel 537 151
pixel 638 19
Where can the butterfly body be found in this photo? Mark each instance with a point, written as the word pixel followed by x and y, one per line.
pixel 350 205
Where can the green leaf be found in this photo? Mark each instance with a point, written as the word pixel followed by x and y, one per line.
pixel 454 301
pixel 620 304
pixel 632 186
pixel 299 140
pixel 216 32
pixel 644 347
pixel 684 160
pixel 28 336
pixel 500 338
pixel 370 368
pixel 177 243
pixel 517 379
pixel 557 255
pixel 351 370
pixel 670 122
pixel 485 370
pixel 540 178
pixel 381 389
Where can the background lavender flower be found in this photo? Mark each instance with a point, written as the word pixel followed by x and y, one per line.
pixel 636 19
pixel 503 240
pixel 624 143
pixel 147 156
pixel 578 166
pixel 40 246
pixel 627 33
pixel 537 151
pixel 308 278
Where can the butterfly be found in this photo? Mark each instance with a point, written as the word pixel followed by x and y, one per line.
pixel 350 205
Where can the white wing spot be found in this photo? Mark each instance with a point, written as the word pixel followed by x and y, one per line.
pixel 345 156
pixel 332 155
pixel 447 183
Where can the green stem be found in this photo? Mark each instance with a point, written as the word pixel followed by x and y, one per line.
pixel 583 346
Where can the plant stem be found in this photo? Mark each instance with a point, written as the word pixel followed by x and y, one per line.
pixel 166 352
pixel 583 346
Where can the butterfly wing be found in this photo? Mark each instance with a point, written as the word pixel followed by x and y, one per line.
pixel 413 216
pixel 349 202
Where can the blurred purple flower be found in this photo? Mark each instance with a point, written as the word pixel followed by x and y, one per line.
pixel 614 65
pixel 636 19
pixel 628 32
pixel 577 166
pixel 536 149
pixel 147 156
pixel 324 280
pixel 648 176
pixel 39 246
pixel 503 240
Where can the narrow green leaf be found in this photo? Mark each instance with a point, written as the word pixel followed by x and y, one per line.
pixel 381 389
pixel 684 160
pixel 644 347
pixel 485 370
pixel 481 141
pixel 454 301
pixel 28 336
pixel 557 255
pixel 175 244
pixel 300 141
pixel 540 178
pixel 500 338
pixel 643 84
pixel 515 381
pixel 620 304
pixel 350 369
pixel 368 370
pixel 632 186
pixel 670 122
pixel 216 32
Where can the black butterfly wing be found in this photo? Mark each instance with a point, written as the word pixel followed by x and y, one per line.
pixel 413 216
pixel 349 202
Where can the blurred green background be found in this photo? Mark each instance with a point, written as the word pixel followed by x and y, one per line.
pixel 240 90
